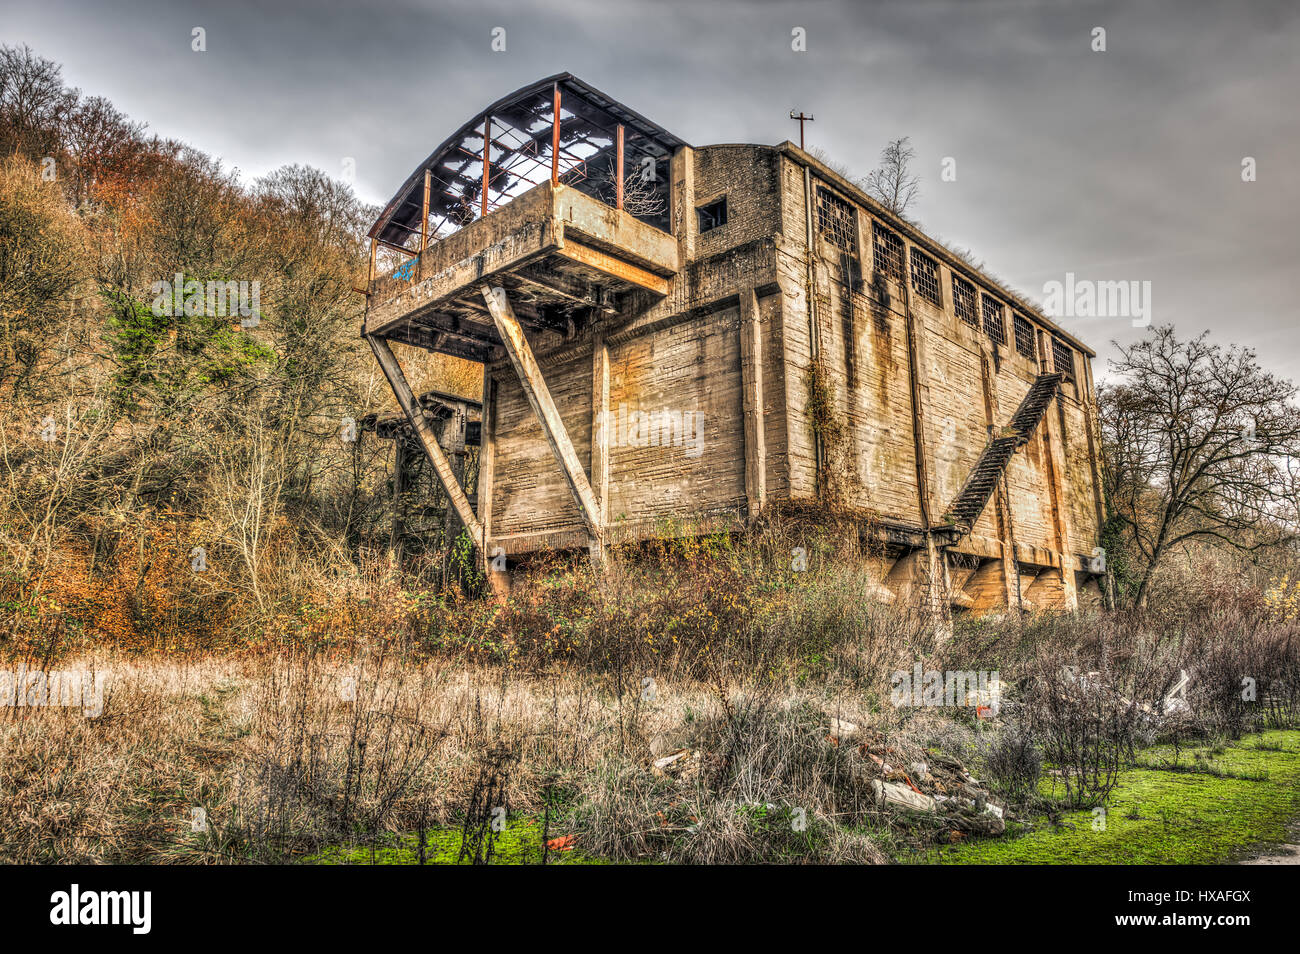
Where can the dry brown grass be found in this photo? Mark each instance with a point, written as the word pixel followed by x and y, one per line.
pixel 289 755
pixel 418 713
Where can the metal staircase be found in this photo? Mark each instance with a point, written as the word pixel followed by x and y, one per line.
pixel 983 479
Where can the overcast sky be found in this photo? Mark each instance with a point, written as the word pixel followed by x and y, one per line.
pixel 1117 165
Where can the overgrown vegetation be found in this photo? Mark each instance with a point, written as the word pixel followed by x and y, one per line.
pixel 179 512
pixel 556 705
pixel 147 412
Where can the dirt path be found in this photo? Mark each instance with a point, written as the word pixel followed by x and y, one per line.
pixel 1280 854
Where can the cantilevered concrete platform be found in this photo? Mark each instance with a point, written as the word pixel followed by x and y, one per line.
pixel 557 252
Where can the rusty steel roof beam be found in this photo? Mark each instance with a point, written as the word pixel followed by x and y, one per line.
pixel 587 108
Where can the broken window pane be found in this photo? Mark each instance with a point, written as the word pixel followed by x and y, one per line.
pixel 835 221
pixel 994 325
pixel 713 215
pixel 888 251
pixel 925 276
pixel 963 300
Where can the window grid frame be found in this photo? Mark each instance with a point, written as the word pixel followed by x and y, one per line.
pixel 1023 331
pixel 925 279
pixel 837 221
pixel 887 252
pixel 995 329
pixel 1060 348
pixel 965 300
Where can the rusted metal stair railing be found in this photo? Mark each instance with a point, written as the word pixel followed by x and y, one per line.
pixel 983 479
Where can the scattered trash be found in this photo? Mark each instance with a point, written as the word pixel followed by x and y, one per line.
pixel 663 743
pixel 888 794
pixel 938 786
pixel 677 764
pixel 842 730
pixel 1175 703
pixel 668 760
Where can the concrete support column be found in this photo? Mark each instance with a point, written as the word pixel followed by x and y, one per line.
pixel 1053 589
pixel 399 487
pixel 1054 454
pixel 987 586
pixel 920 578
pixel 498 580
pixel 682 210
pixel 600 426
pixel 751 374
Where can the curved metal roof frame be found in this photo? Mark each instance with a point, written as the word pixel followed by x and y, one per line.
pixel 520 143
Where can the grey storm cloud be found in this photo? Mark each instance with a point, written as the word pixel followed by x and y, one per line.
pixel 1116 165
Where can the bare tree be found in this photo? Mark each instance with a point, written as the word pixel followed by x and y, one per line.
pixel 33 101
pixel 100 140
pixel 1197 442
pixel 892 183
pixel 640 197
pixel 835 166
pixel 325 210
pixel 41 273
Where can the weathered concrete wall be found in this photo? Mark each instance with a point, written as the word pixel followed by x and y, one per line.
pixel 529 494
pixel 899 371
pixel 676 450
pixel 967 387
pixel 747 176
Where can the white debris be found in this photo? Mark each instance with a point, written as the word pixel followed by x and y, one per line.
pixel 900 796
pixel 841 729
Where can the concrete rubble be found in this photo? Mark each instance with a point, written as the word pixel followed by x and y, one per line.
pixel 905 781
pixel 938 787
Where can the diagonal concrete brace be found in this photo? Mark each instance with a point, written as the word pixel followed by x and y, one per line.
pixel 428 440
pixel 539 396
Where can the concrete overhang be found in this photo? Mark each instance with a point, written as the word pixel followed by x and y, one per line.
pixel 553 247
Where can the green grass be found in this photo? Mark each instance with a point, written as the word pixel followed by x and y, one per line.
pixel 1209 806
pixel 520 843
pixel 1214 804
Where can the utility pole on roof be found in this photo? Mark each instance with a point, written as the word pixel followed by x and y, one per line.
pixel 802 119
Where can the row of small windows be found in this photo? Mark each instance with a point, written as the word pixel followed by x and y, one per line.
pixel 837 224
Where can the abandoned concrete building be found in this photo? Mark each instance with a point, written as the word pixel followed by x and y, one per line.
pixel 674 337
